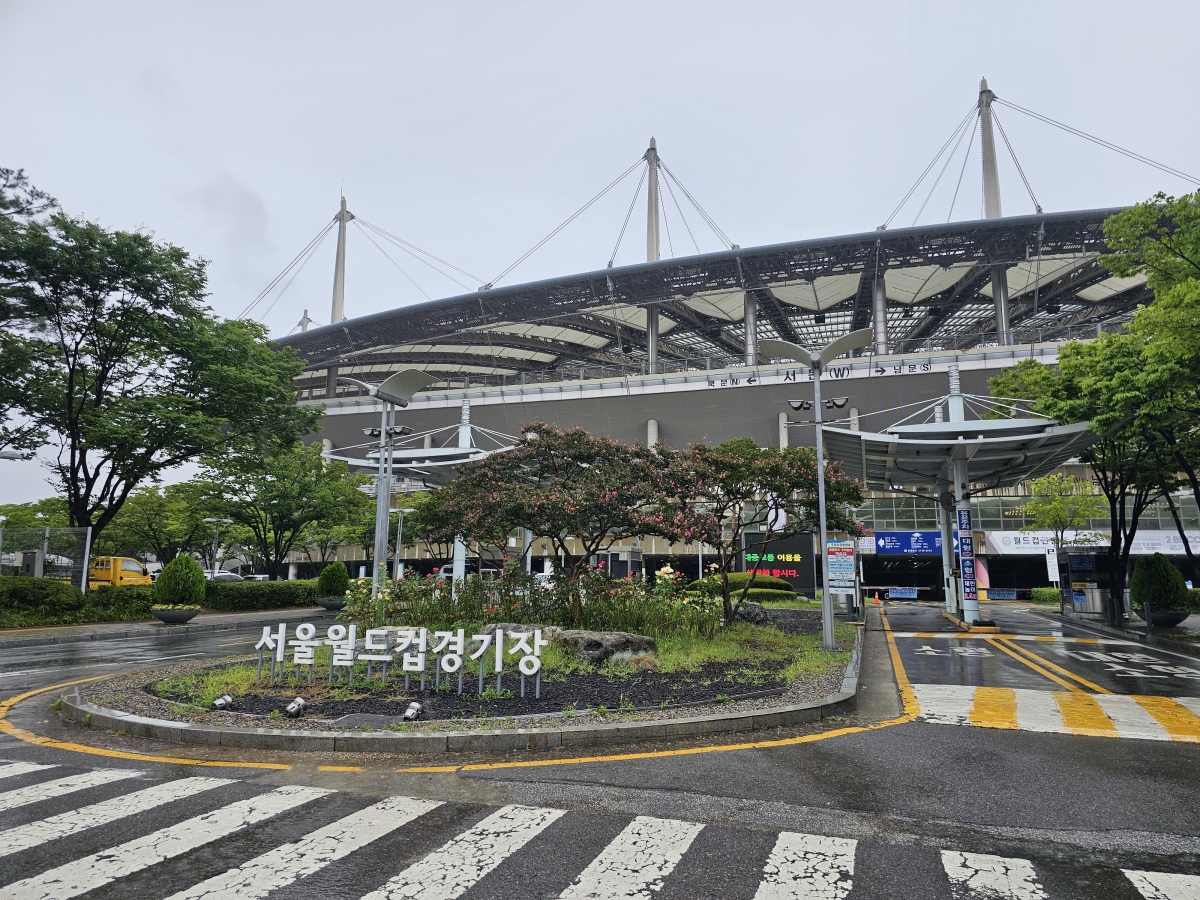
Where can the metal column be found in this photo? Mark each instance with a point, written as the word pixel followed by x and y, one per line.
pixel 879 314
pixel 460 548
pixel 652 253
pixel 338 312
pixel 992 207
pixel 962 507
pixel 750 323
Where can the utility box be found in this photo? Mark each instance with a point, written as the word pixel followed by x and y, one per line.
pixel 33 563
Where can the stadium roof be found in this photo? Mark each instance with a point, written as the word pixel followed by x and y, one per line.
pixel 938 282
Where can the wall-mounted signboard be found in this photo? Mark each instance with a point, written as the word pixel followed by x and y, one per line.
pixel 790 558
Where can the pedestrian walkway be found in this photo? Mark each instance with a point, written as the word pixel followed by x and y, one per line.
pixel 131 835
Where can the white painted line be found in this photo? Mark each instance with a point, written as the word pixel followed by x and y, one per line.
pixel 808 867
pixel 1037 711
pixel 945 704
pixel 90 872
pixel 291 862
pixel 451 870
pixel 1165 886
pixel 1130 719
pixel 636 862
pixel 992 877
pixel 22 837
pixel 1190 703
pixel 47 790
pixel 20 768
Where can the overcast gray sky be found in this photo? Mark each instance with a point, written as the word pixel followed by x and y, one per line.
pixel 473 129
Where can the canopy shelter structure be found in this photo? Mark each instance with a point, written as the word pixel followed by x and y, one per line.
pixel 939 451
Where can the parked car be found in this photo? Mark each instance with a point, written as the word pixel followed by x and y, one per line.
pixel 224 576
pixel 257 578
pixel 117 570
pixel 446 572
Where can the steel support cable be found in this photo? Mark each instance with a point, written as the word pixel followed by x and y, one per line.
pixel 392 261
pixel 1103 143
pixel 966 156
pixel 419 253
pixel 278 278
pixel 671 191
pixel 663 208
pixel 295 275
pixel 949 159
pixel 628 213
pixel 721 235
pixel 929 168
pixel 538 246
pixel 1011 152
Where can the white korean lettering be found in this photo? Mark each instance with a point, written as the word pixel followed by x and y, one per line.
pixel 304 647
pixel 273 642
pixel 376 639
pixel 415 662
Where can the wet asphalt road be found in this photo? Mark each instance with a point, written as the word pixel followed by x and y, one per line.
pixel 899 805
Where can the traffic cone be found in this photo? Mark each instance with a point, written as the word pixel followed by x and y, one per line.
pixel 877 598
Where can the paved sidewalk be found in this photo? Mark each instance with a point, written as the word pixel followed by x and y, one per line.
pixel 106 631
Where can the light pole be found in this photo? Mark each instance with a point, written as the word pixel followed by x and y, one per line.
pixel 216 523
pixel 815 359
pixel 395 390
pixel 399 538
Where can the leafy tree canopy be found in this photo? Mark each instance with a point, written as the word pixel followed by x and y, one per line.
pixel 1160 237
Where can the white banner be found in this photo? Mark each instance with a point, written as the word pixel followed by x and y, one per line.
pixel 1035 543
pixel 1052 564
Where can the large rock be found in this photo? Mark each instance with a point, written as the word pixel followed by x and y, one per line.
pixel 597 646
pixel 753 613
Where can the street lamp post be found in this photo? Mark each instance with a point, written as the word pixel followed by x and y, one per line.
pixel 399 538
pixel 217 523
pixel 816 360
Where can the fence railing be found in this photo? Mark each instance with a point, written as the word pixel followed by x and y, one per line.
pixel 60 553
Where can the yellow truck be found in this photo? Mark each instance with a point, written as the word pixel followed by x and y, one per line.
pixel 117 570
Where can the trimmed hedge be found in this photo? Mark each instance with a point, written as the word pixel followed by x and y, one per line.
pixel 1194 599
pixel 1157 582
pixel 737 580
pixel 125 601
pixel 768 595
pixel 243 596
pixel 180 583
pixel 1046 596
pixel 46 596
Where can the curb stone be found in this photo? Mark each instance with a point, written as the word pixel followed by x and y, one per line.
pixel 74 709
pixel 159 630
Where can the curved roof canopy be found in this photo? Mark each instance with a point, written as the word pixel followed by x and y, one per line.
pixel 937 278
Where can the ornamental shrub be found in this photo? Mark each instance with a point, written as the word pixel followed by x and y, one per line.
pixel 243 596
pixel 770 595
pixel 180 582
pixel 48 596
pixel 1047 596
pixel 737 581
pixel 1157 582
pixel 334 580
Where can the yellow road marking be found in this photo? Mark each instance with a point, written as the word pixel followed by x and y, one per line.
pixel 907 695
pixel 339 768
pixel 1179 721
pixel 1042 638
pixel 994 708
pixel 925 634
pixel 1083 715
pixel 1094 688
pixel 29 737
pixel 1000 645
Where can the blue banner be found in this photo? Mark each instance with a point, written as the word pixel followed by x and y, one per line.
pixel 919 543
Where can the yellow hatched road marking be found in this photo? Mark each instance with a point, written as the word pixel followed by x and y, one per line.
pixel 1180 722
pixel 1094 688
pixel 994 708
pixel 1083 715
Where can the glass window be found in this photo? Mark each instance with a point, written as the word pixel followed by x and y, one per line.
pixel 132 565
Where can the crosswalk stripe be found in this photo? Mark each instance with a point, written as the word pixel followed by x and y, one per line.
pixel 451 870
pixel 1130 718
pixel 1037 711
pixel 1164 886
pixel 808 867
pixel 1178 721
pixel 636 861
pixel 20 768
pixel 992 877
pixel 1192 704
pixel 945 704
pixel 299 859
pixel 22 837
pixel 48 790
pixel 90 872
pixel 1083 715
pixel 994 708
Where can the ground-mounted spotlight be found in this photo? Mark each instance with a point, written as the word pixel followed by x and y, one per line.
pixel 413 712
pixel 223 702
pixel 295 708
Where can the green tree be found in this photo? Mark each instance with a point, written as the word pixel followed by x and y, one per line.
pixel 720 494
pixel 1061 504
pixel 50 512
pixel 278 494
pixel 126 370
pixel 164 521
pixel 1160 237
